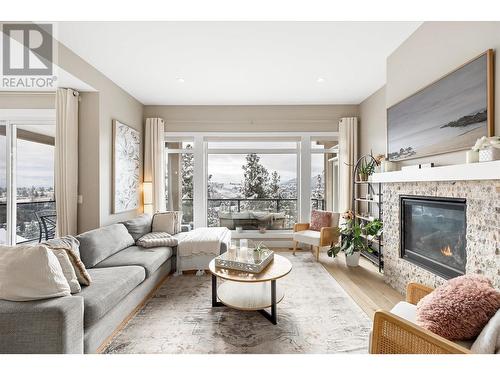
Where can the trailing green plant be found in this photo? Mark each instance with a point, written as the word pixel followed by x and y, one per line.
pixel 351 240
pixel 373 228
pixel 353 237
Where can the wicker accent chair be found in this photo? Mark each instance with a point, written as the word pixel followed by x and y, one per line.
pixel 392 334
pixel 326 237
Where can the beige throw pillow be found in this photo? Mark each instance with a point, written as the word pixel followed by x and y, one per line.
pixel 156 239
pixel 169 222
pixel 30 273
pixel 71 246
pixel 68 270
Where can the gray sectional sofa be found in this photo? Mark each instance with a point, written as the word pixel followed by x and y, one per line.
pixel 123 275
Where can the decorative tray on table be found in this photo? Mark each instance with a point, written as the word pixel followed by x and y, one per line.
pixel 247 261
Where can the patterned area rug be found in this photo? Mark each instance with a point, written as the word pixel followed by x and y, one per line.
pixel 316 316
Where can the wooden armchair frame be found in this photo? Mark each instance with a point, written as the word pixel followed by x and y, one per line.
pixel 328 236
pixel 394 335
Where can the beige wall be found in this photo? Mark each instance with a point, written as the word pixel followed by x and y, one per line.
pixel 252 118
pixel 433 50
pixel 27 100
pixel 96 114
pixel 88 161
pixel 372 128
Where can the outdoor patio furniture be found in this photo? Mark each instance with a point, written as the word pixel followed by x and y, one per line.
pixel 252 220
pixel 47 220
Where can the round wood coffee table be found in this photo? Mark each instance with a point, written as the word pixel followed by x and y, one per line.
pixel 250 291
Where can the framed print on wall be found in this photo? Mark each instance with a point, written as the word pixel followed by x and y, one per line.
pixel 448 115
pixel 126 164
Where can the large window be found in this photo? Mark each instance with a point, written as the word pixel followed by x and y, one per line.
pixel 252 189
pixel 179 179
pixel 27 202
pixel 249 181
pixel 324 175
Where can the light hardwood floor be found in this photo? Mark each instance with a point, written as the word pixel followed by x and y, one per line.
pixel 364 284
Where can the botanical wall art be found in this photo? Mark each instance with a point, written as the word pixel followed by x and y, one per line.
pixel 448 115
pixel 126 163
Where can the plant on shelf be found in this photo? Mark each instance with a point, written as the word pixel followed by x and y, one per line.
pixel 353 238
pixel 366 169
pixel 374 228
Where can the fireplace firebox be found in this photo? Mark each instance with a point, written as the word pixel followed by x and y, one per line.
pixel 433 234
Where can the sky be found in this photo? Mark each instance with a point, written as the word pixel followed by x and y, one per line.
pixel 35 164
pixel 227 168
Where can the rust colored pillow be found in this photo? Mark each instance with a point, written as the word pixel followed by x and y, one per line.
pixel 320 219
pixel 459 309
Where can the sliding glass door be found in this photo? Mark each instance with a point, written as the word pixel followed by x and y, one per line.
pixel 27 201
pixel 3 183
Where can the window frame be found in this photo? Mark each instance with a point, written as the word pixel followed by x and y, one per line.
pixel 11 118
pixel 303 152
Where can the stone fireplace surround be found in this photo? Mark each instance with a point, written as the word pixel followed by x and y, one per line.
pixel 483 229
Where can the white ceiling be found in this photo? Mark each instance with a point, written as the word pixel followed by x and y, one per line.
pixel 228 63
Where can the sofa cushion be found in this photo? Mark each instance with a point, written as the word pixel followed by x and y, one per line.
pixel 71 245
pixel 151 259
pixel 109 286
pixel 460 308
pixel 30 273
pixel 138 226
pixel 320 219
pixel 310 237
pixel 407 311
pixel 98 244
pixel 157 239
pixel 169 221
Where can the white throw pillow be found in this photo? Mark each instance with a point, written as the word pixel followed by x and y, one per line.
pixel 71 245
pixel 68 270
pixel 169 222
pixel 30 273
pixel 155 239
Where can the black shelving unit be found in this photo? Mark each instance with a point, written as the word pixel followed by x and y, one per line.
pixel 373 207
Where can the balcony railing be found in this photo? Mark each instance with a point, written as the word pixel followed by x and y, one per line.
pixel 217 206
pixel 28 226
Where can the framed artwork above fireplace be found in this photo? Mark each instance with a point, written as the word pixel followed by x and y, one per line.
pixel 448 115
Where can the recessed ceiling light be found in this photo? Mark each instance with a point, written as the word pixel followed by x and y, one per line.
pixel 320 80
pixel 180 80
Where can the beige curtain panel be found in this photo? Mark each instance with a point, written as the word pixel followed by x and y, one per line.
pixel 154 160
pixel 66 161
pixel 348 154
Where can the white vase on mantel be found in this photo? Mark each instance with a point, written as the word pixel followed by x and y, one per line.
pixel 471 156
pixel 352 260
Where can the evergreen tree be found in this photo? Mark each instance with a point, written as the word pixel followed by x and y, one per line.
pixel 187 174
pixel 210 187
pixel 274 186
pixel 255 178
pixel 318 191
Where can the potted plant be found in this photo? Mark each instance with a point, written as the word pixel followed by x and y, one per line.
pixel 353 239
pixel 365 169
pixel 258 251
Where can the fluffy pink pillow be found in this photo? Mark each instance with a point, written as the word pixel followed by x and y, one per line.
pixel 320 219
pixel 459 309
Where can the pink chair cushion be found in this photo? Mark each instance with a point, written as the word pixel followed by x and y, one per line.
pixel 320 219
pixel 459 309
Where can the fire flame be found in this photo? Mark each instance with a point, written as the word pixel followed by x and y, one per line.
pixel 446 251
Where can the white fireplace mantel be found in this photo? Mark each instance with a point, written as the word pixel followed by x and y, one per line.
pixel 460 172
